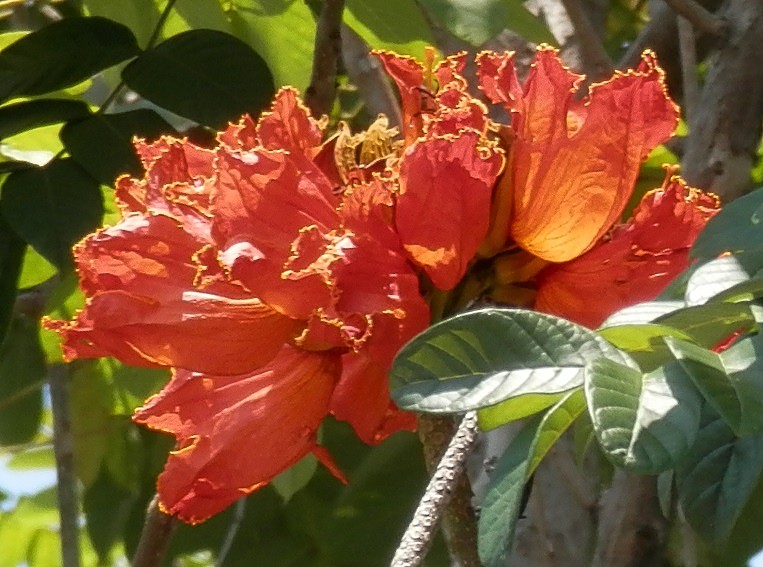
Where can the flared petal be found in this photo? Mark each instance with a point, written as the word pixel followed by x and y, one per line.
pixel 640 259
pixel 576 161
pixel 289 125
pixel 443 209
pixel 236 433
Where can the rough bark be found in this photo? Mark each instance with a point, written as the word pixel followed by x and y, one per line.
pixel 726 126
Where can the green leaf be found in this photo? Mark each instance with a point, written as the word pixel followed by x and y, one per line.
pixel 717 476
pixel 395 25
pixel 514 409
pixel 501 506
pixel 22 373
pixel 642 313
pixel 18 117
pixel 11 257
pixel 713 278
pixel 643 342
pixel 480 358
pixel 644 423
pixel 282 32
pixel 736 227
pixel 205 75
pixel 140 16
pixel 35 269
pixel 730 381
pixel 37 458
pixel 63 54
pixel 52 207
pixel 711 323
pixel 106 505
pixel 295 478
pixel 102 144
pixel 477 21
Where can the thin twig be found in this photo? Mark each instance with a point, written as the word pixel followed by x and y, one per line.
pixel 155 537
pixel 321 93
pixel 418 536
pixel 230 535
pixel 700 17
pixel 66 478
pixel 688 50
pixel 596 60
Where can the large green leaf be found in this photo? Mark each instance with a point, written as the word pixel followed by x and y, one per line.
pixel 102 144
pixel 18 117
pixel 711 323
pixel 396 25
pixel 643 342
pixel 717 476
pixel 62 54
pixel 714 277
pixel 644 422
pixel 480 358
pixel 502 503
pixel 478 21
pixel 730 381
pixel 736 227
pixel 22 373
pixel 642 313
pixel 52 207
pixel 282 32
pixel 205 75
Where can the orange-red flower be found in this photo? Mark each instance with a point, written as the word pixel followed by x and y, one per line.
pixel 269 273
pixel 574 160
pixel 635 262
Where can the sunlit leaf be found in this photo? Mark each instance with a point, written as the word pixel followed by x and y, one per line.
pixel 501 506
pixel 713 278
pixel 717 476
pixel 514 409
pixel 644 422
pixel 642 313
pixel 204 75
pixel 35 269
pixel 480 358
pixel 479 21
pixel 711 323
pixel 643 342
pixel 396 25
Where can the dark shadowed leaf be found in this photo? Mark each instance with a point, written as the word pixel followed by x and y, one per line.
pixel 22 372
pixel 477 21
pixel 20 116
pixel 644 422
pixel 62 54
pixel 481 358
pixel 11 257
pixel 736 227
pixel 717 476
pixel 106 505
pixel 205 75
pixel 502 503
pixel 102 144
pixel 52 207
pixel 730 381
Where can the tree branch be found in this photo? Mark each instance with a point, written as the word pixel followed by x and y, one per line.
pixel 596 62
pixel 321 93
pixel 726 126
pixel 155 537
pixel 66 478
pixel 447 485
pixel 701 18
pixel 687 45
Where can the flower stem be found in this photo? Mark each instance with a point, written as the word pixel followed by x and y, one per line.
pixel 155 536
pixel 448 494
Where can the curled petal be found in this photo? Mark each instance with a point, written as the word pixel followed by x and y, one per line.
pixel 236 433
pixel 289 125
pixel 443 209
pixel 576 161
pixel 641 258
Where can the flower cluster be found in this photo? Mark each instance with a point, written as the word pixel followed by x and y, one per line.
pixel 279 272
